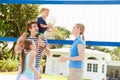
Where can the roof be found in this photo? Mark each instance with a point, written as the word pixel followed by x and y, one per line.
pixel 65 50
pixel 113 63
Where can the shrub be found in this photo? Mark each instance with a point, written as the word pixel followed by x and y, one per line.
pixel 8 65
pixel 12 65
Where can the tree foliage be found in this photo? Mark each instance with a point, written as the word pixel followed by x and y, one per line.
pixel 17 15
pixel 61 33
pixel 13 18
pixel 115 52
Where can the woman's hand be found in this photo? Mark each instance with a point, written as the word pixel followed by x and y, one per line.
pixel 63 59
pixel 23 37
pixel 19 45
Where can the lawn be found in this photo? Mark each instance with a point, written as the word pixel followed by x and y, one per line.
pixel 46 76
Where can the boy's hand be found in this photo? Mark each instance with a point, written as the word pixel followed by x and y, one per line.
pixel 50 25
pixel 53 30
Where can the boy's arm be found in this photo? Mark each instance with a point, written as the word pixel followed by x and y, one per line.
pixel 46 26
pixel 51 30
pixel 81 51
pixel 32 58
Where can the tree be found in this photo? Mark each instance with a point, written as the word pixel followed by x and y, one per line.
pixel 14 18
pixel 61 33
pixel 116 52
pixel 17 15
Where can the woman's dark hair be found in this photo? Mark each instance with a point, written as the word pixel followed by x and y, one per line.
pixel 26 44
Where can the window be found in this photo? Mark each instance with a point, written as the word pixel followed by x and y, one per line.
pixel 103 58
pixel 116 73
pixel 92 67
pixel 103 68
pixel 95 67
pixel 92 58
pixel 89 67
pixel 56 55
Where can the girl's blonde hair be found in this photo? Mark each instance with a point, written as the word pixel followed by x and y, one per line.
pixel 82 29
pixel 43 9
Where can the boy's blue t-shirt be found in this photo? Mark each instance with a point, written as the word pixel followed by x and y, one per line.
pixel 40 20
pixel 74 52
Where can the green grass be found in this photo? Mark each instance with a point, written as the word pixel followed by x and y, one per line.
pixel 53 77
pixel 47 76
pixel 9 73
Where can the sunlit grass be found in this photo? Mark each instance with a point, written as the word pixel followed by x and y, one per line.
pixel 53 77
pixel 9 73
pixel 46 76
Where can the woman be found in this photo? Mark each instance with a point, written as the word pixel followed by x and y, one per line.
pixel 76 53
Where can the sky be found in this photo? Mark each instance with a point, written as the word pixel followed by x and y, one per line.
pixel 101 22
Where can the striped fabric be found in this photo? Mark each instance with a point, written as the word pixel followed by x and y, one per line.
pixel 39 55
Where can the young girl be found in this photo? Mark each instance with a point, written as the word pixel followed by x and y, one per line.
pixel 28 56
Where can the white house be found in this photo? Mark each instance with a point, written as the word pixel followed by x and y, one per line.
pixel 113 70
pixel 96 64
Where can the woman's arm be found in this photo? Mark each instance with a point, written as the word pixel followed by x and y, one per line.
pixel 81 51
pixel 19 44
pixel 18 47
pixel 32 58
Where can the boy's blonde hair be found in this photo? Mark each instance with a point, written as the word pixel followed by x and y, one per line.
pixel 44 9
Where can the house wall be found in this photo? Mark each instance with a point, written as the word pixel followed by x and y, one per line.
pixel 112 71
pixel 101 60
pixel 94 75
pixel 59 68
pixel 53 66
